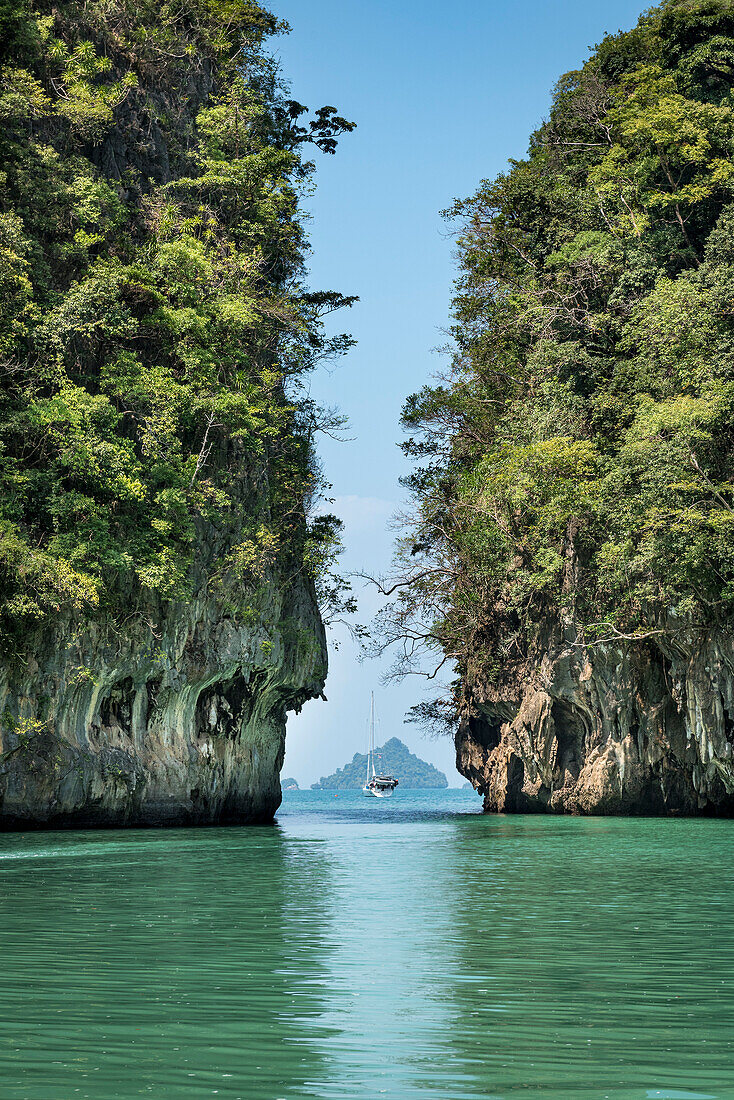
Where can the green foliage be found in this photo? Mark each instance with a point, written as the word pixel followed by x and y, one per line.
pixel 576 477
pixel 155 436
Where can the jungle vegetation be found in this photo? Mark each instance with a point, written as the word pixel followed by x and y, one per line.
pixel 156 438
pixel 573 477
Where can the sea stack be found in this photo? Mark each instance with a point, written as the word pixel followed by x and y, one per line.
pixel 572 556
pixel 158 575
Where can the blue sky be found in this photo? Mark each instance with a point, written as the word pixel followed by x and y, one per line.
pixel 443 95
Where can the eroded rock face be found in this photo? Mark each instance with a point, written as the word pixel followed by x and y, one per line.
pixel 612 729
pixel 187 727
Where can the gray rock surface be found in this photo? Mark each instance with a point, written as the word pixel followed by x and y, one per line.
pixel 182 726
pixel 622 728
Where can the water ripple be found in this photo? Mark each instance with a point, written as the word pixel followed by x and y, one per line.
pixel 363 950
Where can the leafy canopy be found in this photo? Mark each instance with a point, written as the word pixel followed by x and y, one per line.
pixel 156 439
pixel 574 466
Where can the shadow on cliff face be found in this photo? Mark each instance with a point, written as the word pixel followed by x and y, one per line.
pixel 104 729
pixel 609 730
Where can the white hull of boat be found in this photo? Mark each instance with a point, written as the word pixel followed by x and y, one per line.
pixel 386 793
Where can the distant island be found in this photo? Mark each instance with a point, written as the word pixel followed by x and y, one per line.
pixel 393 757
pixel 289 785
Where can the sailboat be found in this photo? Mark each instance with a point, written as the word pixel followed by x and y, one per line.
pixel 381 786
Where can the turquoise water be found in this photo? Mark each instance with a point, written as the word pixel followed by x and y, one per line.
pixel 365 949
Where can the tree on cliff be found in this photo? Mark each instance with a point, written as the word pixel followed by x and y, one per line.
pixel 155 435
pixel 574 473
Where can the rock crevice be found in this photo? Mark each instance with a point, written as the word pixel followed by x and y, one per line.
pixel 620 728
pixel 187 727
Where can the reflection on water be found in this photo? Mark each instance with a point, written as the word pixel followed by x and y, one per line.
pixel 598 957
pixel 362 949
pixel 168 964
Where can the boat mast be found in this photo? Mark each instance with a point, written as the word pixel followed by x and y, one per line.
pixel 372 731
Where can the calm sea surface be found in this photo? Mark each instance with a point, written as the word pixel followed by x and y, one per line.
pixel 364 948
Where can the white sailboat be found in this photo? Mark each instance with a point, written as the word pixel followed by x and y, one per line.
pixel 381 786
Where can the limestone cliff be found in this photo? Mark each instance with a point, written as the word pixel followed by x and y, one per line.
pixel 570 549
pixel 613 728
pixel 158 574
pixel 104 728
